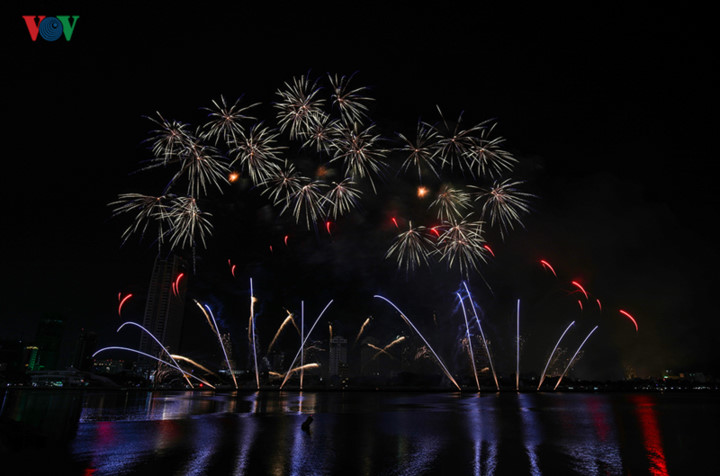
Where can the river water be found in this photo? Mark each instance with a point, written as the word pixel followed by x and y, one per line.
pixel 360 433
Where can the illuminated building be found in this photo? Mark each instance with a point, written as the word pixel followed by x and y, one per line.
pixel 164 308
pixel 338 355
pixel 31 359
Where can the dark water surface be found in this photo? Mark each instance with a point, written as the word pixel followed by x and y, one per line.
pixel 360 433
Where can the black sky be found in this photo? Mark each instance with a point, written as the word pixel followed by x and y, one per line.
pixel 611 106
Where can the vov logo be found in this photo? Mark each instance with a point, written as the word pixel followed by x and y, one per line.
pixel 50 28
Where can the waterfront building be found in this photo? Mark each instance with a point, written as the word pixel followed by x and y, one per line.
pixel 164 307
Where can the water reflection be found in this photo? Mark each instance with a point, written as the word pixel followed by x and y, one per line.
pixel 482 428
pixel 645 410
pixel 532 436
pixel 377 433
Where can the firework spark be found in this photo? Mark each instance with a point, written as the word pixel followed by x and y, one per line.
pixel 188 223
pixel 342 198
pixel 168 140
pixel 350 102
pixel 362 329
pixel 169 364
pixel 542 377
pixel 288 320
pixel 302 344
pixel 486 156
pixel 573 357
pixel 182 358
pixel 284 184
pixel 203 166
pixel 450 203
pixel 146 208
pixel 461 245
pixel 482 334
pixel 224 121
pixel 469 341
pixel 309 202
pixel 411 248
pixel 177 366
pixel 360 152
pixel 320 133
pixel 209 315
pixel 380 350
pixel 409 322
pixel 581 288
pixel 504 203
pixel 122 302
pixel 547 265
pixel 258 153
pixel 627 314
pixel 299 102
pixel 454 144
pixel 420 152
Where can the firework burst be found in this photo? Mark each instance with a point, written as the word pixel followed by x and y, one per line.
pixel 224 122
pixel 203 166
pixel 420 152
pixel 411 248
pixel 168 139
pixel 455 144
pixel 146 209
pixel 504 203
pixel 486 156
pixel 451 203
pixel 320 133
pixel 461 244
pixel 188 223
pixel 308 202
pixel 284 185
pixel 258 153
pixel 299 103
pixel 360 152
pixel 350 102
pixel 342 198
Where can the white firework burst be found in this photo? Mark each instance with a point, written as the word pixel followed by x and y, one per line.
pixel 298 103
pixel 320 132
pixel 189 225
pixel 308 202
pixel 342 197
pixel 147 209
pixel 461 244
pixel 280 187
pixel 421 152
pixel 451 203
pixel 360 152
pixel 224 122
pixel 486 156
pixel 504 203
pixel 411 248
pixel 258 153
pixel 171 137
pixel 350 102
pixel 202 165
pixel 454 144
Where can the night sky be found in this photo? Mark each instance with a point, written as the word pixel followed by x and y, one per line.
pixel 608 110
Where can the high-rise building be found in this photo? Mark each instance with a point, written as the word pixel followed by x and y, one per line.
pixel 84 348
pixel 48 340
pixel 31 358
pixel 165 307
pixel 338 355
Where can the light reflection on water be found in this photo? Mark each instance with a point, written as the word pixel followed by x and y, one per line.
pixel 375 433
